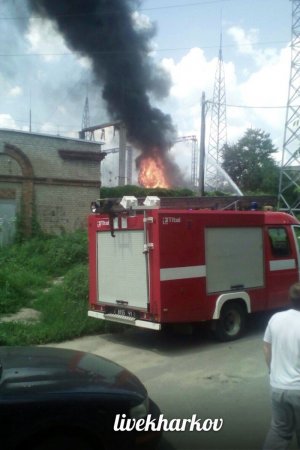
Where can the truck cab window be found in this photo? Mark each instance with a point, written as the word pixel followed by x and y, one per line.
pixel 279 241
pixel 297 236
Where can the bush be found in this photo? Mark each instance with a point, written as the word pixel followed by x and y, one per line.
pixel 75 286
pixel 136 191
pixel 67 250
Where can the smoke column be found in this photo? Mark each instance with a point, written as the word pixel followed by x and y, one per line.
pixel 104 30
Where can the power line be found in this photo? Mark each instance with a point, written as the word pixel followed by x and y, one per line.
pixel 256 107
pixel 116 52
pixel 109 12
pixel 184 5
pixel 65 127
pixel 71 127
pixel 251 106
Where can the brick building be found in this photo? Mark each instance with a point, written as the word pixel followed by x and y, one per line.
pixel 50 179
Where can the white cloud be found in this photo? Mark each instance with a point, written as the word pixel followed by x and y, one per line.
pixel 85 62
pixel 49 128
pixel 268 87
pixel 246 43
pixel 15 91
pixel 44 39
pixel 141 21
pixel 189 78
pixel 265 85
pixel 62 109
pixel 6 121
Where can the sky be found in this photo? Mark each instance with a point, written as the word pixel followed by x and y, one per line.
pixel 40 73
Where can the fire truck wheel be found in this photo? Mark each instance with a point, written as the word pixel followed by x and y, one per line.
pixel 231 323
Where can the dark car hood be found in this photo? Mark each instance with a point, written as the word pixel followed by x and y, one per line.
pixel 33 370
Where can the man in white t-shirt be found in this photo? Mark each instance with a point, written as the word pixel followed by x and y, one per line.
pixel 282 353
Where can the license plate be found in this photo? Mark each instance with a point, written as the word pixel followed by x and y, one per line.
pixel 124 312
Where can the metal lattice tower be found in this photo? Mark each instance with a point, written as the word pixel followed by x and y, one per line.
pixel 194 172
pixel 86 120
pixel 129 164
pixel 218 126
pixel 289 185
pixel 194 156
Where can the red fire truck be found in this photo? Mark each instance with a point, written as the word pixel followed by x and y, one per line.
pixel 152 265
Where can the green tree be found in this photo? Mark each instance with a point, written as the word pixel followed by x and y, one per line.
pixel 250 163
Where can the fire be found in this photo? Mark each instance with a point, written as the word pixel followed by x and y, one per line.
pixel 152 173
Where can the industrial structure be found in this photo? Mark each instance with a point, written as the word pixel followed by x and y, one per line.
pixel 125 172
pixel 194 156
pixel 213 177
pixel 125 152
pixel 86 120
pixel 289 185
pixel 218 128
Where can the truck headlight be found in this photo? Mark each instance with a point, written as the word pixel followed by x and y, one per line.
pixel 141 410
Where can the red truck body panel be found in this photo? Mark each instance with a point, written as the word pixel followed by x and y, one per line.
pixel 188 258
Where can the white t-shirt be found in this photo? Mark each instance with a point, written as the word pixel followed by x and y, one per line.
pixel 283 333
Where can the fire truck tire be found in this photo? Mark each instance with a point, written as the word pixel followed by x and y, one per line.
pixel 231 323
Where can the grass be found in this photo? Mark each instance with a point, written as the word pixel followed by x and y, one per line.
pixel 27 279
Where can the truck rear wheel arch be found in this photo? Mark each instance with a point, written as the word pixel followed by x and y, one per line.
pixel 231 317
pixel 238 297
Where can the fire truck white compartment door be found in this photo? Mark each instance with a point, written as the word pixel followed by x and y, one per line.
pixel 122 269
pixel 234 258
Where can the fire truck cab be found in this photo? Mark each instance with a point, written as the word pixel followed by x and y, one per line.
pixel 151 266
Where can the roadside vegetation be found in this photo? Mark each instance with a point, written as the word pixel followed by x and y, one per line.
pixel 50 275
pixel 250 163
pixel 138 191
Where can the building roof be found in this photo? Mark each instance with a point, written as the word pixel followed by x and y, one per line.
pixel 51 136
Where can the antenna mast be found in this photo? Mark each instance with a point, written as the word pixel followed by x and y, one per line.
pixel 218 126
pixel 289 184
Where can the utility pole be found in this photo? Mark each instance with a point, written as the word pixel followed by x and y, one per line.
pixel 122 155
pixel 218 126
pixel 289 184
pixel 30 118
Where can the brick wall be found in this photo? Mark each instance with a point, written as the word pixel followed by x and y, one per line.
pixel 53 177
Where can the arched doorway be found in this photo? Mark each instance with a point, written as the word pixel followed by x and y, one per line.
pixel 23 176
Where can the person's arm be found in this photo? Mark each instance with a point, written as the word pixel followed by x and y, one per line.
pixel 268 354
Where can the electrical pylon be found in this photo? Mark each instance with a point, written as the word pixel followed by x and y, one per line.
pixel 289 184
pixel 86 120
pixel 218 127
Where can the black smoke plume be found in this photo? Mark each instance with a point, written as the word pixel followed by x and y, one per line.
pixel 104 30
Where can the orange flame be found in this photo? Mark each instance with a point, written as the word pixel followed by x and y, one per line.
pixel 152 173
